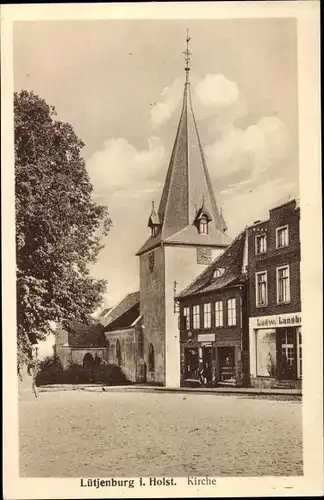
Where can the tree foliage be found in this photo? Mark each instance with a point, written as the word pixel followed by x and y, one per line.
pixel 58 225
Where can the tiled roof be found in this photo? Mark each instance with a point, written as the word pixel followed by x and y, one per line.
pixel 187 183
pixel 130 301
pixel 231 260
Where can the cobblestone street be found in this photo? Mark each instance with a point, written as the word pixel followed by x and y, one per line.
pixel 103 434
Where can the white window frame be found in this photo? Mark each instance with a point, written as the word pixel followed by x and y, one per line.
pixel 196 317
pixel 258 236
pixel 277 284
pixel 256 289
pixel 286 226
pixel 203 223
pixel 219 311
pixel 186 322
pixel 299 344
pixel 235 312
pixel 207 315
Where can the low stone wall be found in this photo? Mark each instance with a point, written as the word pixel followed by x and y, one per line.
pixel 272 383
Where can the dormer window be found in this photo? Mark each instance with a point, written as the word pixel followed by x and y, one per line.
pixel 154 222
pixel 202 220
pixel 203 226
pixel 218 272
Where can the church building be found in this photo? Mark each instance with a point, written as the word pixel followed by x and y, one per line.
pixel 188 232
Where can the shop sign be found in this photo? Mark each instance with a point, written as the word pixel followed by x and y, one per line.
pixel 279 320
pixel 206 337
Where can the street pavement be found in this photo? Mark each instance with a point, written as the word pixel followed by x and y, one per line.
pixel 103 434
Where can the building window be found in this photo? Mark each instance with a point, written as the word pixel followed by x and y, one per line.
pixel 261 289
pixel 287 347
pixel 231 312
pixel 282 237
pixel 196 317
pixel 151 359
pixel 118 353
pixel 299 354
pixel 140 343
pixel 260 243
pixel 283 284
pixel 207 315
pixel 218 272
pixel 186 318
pixel 219 313
pixel 203 226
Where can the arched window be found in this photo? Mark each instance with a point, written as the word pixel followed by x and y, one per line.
pixel 88 361
pixel 203 226
pixel 118 352
pixel 151 359
pixel 140 340
pixel 218 272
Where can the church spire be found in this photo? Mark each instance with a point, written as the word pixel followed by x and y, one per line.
pixel 187 182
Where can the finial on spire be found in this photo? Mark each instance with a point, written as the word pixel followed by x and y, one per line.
pixel 187 53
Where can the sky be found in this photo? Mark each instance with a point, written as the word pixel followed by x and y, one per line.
pixel 119 83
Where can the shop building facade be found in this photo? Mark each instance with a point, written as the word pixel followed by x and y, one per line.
pixel 214 324
pixel 275 317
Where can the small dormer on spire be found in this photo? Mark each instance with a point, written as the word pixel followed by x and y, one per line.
pixel 202 219
pixel 222 221
pixel 154 221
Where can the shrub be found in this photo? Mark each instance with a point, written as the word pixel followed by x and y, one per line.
pixel 51 372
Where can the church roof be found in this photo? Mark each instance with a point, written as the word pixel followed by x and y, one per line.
pixel 130 303
pixel 231 264
pixel 187 185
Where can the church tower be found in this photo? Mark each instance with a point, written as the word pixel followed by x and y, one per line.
pixel 187 233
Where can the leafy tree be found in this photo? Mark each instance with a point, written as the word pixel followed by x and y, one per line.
pixel 58 225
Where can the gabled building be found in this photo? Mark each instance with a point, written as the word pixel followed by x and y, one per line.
pixel 187 232
pixel 275 324
pixel 214 321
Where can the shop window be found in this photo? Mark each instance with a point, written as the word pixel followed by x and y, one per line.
pixel 282 239
pixel 261 289
pixel 186 318
pixel 266 348
pixel 151 359
pixel 196 317
pixel 231 312
pixel 283 284
pixel 207 315
pixel 118 353
pixel 219 313
pixel 288 354
pixel 260 243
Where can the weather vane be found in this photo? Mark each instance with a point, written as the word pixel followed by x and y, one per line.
pixel 187 53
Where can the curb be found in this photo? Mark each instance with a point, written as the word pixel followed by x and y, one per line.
pixel 152 389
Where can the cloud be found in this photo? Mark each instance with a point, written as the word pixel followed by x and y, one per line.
pixel 171 97
pixel 216 91
pixel 119 166
pixel 252 150
pixel 211 95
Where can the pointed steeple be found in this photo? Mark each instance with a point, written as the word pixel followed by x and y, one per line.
pixel 187 182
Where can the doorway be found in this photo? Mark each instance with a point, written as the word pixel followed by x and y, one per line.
pixel 191 363
pixel 226 360
pixel 207 365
